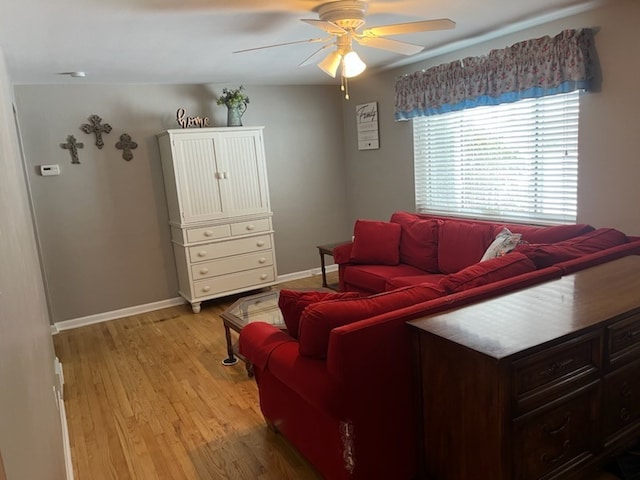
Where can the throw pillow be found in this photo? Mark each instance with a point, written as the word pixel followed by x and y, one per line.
pixel 490 271
pixel 319 319
pixel 505 242
pixel 376 243
pixel 293 302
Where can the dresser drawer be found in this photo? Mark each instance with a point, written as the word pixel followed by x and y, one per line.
pixel 547 374
pixel 552 440
pixel 211 251
pixel 232 264
pixel 623 340
pixel 245 228
pixel 204 234
pixel 234 281
pixel 622 401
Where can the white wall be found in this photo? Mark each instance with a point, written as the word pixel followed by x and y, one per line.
pixel 103 223
pixel 381 181
pixel 30 430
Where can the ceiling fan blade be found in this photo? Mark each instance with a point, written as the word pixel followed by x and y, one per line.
pixel 387 44
pixel 410 27
pixel 307 61
pixel 328 27
pixel 310 40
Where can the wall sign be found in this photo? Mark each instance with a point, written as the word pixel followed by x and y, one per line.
pixel 367 121
pixel 187 122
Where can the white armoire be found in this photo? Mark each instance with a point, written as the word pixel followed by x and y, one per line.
pixel 219 213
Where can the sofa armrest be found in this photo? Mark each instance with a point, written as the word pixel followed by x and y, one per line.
pixel 258 340
pixel 342 253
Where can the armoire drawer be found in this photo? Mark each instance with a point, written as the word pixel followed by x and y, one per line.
pixel 233 281
pixel 204 234
pixel 210 251
pixel 245 228
pixel 232 264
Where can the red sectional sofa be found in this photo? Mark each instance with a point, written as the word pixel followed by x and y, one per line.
pixel 337 383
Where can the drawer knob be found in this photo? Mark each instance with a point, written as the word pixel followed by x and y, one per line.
pixel 206 289
pixel 260 243
pixel 251 226
pixel 202 253
pixel 262 260
pixel 208 233
pixel 549 430
pixel 547 458
pixel 204 270
pixel 263 276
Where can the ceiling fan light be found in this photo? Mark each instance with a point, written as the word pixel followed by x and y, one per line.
pixel 331 63
pixel 352 65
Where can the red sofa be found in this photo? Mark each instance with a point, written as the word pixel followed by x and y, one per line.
pixel 338 382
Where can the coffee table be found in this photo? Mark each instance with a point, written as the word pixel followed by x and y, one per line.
pixel 261 307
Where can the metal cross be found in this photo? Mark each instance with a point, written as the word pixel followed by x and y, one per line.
pixel 97 128
pixel 72 145
pixel 126 145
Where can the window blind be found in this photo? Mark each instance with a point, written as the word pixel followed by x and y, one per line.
pixel 515 161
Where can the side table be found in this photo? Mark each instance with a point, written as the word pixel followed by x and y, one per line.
pixel 323 250
pixel 259 307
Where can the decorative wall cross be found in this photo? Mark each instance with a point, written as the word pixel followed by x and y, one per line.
pixel 126 145
pixel 96 128
pixel 72 145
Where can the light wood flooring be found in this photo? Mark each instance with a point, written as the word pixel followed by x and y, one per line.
pixel 147 398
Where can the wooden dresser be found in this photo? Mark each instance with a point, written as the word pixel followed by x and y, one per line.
pixel 543 383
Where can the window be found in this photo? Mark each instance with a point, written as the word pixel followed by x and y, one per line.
pixel 515 161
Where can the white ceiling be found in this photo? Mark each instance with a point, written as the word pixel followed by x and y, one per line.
pixel 191 41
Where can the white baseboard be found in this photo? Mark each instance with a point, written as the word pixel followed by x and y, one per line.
pixel 106 316
pixel 58 392
pixel 172 302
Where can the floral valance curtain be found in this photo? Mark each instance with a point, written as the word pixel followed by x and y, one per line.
pixel 533 68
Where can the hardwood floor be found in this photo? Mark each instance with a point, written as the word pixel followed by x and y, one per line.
pixel 148 398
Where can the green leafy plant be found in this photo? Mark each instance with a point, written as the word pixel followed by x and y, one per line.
pixel 233 98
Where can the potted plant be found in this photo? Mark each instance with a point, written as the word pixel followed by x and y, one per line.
pixel 236 101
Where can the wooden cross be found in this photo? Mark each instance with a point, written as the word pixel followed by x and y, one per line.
pixel 96 128
pixel 126 145
pixel 72 145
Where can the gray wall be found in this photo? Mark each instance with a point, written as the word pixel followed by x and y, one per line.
pixel 381 181
pixel 103 223
pixel 30 433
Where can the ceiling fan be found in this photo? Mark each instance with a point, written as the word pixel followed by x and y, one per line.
pixel 343 20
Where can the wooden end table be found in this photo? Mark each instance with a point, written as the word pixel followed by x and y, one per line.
pixel 261 307
pixel 323 250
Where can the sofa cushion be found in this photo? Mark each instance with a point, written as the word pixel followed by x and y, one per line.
pixel 293 302
pixel 552 234
pixel 373 278
pixel 399 282
pixel 489 271
pixel 418 241
pixel 504 242
pixel 319 319
pixel 544 255
pixel 462 243
pixel 376 243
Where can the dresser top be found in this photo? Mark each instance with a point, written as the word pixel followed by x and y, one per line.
pixel 514 322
